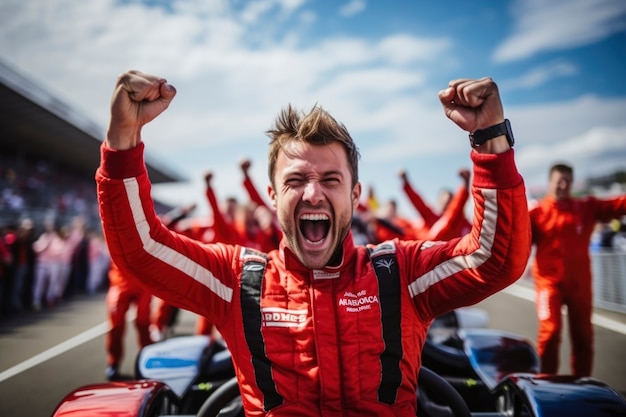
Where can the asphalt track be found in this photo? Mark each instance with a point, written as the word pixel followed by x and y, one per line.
pixel 45 355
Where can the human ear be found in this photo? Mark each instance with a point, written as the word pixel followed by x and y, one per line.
pixel 272 195
pixel 356 195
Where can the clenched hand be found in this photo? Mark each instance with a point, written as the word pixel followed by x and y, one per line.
pixel 138 98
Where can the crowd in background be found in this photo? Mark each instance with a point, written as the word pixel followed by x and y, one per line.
pixel 52 246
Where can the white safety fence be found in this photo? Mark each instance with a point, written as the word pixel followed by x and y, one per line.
pixel 609 280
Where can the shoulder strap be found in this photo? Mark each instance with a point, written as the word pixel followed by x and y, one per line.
pixel 384 260
pixel 252 272
pixel 385 263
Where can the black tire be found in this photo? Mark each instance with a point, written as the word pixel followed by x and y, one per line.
pixel 436 397
pixel 225 401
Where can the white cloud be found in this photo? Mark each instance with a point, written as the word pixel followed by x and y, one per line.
pixel 541 26
pixel 595 152
pixel 588 133
pixel 352 7
pixel 404 49
pixel 255 11
pixel 598 141
pixel 540 75
pixel 557 121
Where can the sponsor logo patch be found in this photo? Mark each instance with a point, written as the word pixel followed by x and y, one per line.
pixel 282 317
pixel 354 303
pixel 385 263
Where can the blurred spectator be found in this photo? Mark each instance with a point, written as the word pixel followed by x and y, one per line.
pixel 269 231
pixel 5 263
pixel 79 265
pixel 73 235
pixel 362 232
pixel 99 261
pixel 223 220
pixel 378 222
pixel 602 237
pixel 390 224
pixel 619 238
pixel 23 264
pixel 450 222
pixel 236 225
pixel 49 248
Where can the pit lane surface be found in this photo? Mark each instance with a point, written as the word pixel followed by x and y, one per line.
pixel 45 355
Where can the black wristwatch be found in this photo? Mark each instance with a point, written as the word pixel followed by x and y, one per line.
pixel 481 136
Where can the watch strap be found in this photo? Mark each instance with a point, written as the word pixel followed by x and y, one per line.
pixel 481 136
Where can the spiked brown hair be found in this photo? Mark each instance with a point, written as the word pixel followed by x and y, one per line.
pixel 317 127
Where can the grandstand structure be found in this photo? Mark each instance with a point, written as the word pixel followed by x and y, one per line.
pixel 40 133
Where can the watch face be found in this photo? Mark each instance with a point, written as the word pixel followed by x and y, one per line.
pixel 509 133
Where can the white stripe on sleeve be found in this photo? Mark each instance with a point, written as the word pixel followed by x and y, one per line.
pixel 474 259
pixel 167 254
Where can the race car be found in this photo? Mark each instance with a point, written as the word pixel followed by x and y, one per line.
pixel 467 372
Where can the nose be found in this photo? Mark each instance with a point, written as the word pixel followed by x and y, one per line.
pixel 313 193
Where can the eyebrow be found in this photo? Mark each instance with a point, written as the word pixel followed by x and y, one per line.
pixel 327 173
pixel 333 172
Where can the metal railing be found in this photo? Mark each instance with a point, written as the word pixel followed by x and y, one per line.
pixel 609 280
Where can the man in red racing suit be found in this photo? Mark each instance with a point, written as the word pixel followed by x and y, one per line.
pixel 318 334
pixel 561 231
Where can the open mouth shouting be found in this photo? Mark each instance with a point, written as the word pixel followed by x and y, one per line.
pixel 314 228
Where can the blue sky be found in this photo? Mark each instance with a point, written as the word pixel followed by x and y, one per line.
pixel 376 66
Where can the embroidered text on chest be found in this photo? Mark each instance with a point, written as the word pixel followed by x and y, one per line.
pixel 360 301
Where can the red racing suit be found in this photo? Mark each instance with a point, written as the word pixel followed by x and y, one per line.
pixel 561 231
pixel 122 293
pixel 329 342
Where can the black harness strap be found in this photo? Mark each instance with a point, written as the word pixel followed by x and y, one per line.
pixel 251 279
pixel 385 264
